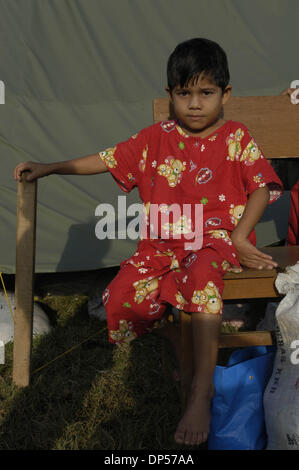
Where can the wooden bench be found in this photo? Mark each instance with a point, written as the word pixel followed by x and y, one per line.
pixel 274 123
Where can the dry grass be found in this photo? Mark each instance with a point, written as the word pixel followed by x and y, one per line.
pixel 98 396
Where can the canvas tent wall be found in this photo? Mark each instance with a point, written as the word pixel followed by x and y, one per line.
pixel 80 76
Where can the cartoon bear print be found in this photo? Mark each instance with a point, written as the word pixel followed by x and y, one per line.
pixel 174 262
pixel 142 162
pixel 223 234
pixel 145 287
pixel 182 226
pixel 208 299
pixel 251 153
pixel 172 170
pixel 124 334
pixel 233 142
pixel 236 213
pixel 180 299
pixel 108 157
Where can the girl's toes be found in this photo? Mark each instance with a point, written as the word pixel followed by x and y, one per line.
pixel 188 438
pixel 203 437
pixel 179 437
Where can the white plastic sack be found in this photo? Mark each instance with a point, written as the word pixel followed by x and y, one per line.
pixel 41 323
pixel 96 307
pixel 281 397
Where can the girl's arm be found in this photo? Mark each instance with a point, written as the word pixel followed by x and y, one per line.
pixel 90 165
pixel 248 254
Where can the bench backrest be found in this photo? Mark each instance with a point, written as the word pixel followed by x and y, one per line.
pixel 272 120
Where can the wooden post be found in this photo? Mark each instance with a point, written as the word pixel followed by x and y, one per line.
pixel 24 282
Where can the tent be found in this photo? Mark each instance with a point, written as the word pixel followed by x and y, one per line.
pixel 80 76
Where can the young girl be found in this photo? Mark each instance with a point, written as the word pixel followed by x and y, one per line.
pixel 199 160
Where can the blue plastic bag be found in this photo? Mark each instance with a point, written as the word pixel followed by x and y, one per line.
pixel 237 413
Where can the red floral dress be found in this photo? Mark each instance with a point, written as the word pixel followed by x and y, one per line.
pixel 183 253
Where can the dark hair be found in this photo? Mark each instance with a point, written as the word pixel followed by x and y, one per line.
pixel 191 58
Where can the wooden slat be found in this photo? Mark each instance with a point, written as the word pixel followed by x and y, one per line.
pixel 283 255
pixel 272 130
pixel 249 288
pixel 254 283
pixel 25 261
pixel 273 121
pixel 248 273
pixel 162 110
pixel 245 338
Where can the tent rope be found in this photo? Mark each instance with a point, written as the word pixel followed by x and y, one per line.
pixel 69 350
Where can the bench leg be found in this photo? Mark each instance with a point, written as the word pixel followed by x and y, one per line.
pixel 25 260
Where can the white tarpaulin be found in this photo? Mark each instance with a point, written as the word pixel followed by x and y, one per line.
pixel 80 76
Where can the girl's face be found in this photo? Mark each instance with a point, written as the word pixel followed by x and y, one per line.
pixel 198 106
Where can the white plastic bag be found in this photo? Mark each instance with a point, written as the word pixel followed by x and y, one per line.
pixel 281 397
pixel 41 323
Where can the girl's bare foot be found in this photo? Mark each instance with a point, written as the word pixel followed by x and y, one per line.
pixel 193 429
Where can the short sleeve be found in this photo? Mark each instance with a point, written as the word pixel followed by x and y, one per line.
pixel 126 161
pixel 256 170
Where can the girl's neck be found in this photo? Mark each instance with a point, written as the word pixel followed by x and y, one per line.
pixel 206 132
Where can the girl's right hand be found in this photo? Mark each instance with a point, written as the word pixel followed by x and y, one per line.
pixel 34 170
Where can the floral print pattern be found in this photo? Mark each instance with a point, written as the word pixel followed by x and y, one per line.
pixel 168 166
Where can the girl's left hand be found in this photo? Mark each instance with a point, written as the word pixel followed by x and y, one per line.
pixel 251 257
